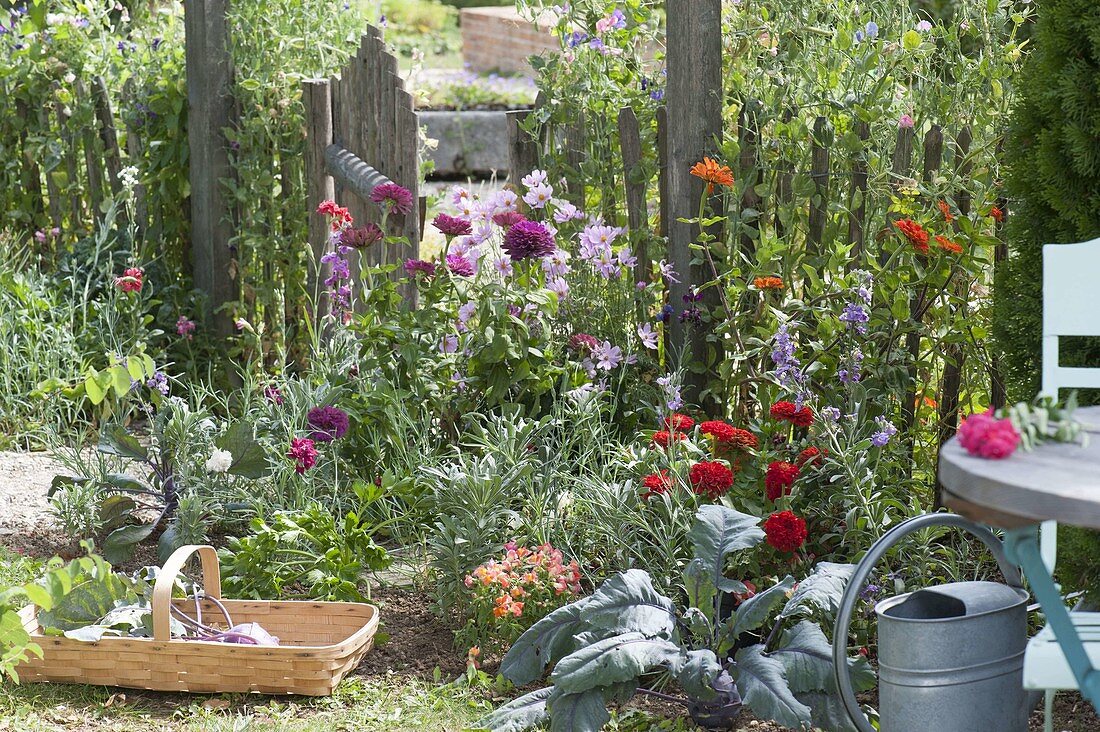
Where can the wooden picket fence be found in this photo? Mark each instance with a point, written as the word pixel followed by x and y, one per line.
pixel 838 180
pixel 70 190
pixel 361 132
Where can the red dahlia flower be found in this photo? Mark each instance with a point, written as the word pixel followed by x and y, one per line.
pixel 677 421
pixel 656 484
pixel 785 531
pixel 710 479
pixel 779 478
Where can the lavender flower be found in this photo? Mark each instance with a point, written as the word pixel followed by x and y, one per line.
pixel 830 414
pixel 607 356
pixel 648 336
pixel 159 382
pixel 886 430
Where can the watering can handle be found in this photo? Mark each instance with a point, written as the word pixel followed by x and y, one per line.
pixel 863 571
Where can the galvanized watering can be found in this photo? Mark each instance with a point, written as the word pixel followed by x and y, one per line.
pixel 950 656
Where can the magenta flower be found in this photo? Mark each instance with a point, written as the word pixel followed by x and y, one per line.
pixel 987 437
pixel 185 327
pixel 361 237
pixel 273 394
pixel 508 219
pixel 303 453
pixel 398 198
pixel 528 240
pixel 451 225
pixel 460 265
pixel 328 423
pixel 905 122
pixel 419 266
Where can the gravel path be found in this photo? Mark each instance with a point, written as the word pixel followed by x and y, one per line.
pixel 24 480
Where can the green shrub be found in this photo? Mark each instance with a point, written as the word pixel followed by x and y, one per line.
pixel 1053 182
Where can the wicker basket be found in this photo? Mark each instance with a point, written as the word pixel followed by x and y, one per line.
pixel 320 642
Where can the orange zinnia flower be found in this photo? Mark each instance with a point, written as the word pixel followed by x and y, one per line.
pixel 768 283
pixel 997 214
pixel 949 246
pixel 713 173
pixel 946 211
pixel 915 233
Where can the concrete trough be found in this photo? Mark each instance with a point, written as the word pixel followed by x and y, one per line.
pixel 471 143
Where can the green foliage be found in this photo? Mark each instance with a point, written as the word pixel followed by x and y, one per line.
pixel 1052 158
pixel 308 550
pixel 601 646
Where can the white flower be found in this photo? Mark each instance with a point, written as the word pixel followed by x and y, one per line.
pixel 219 461
pixel 128 176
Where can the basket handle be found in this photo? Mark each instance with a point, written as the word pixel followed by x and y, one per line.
pixel 166 581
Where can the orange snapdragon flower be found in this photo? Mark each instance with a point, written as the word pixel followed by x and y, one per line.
pixel 915 233
pixel 713 173
pixel 946 211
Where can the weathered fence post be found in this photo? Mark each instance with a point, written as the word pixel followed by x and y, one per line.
pixel 317 99
pixel 857 199
pixel 694 103
pixel 637 217
pixel 523 152
pixel 819 174
pixel 749 128
pixel 953 353
pixel 210 112
pixel 112 157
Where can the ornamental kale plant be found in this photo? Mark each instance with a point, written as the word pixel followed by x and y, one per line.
pixel 607 646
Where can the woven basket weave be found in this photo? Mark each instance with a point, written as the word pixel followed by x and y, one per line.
pixel 320 642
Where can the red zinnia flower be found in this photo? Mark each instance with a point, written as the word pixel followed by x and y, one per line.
pixel 785 531
pixel 768 283
pixel 710 479
pixel 303 453
pixel 662 438
pixel 656 484
pixel 811 456
pixel 717 429
pixel 798 416
pixel 131 280
pixel 915 233
pixel 677 421
pixel 949 246
pixel 338 214
pixel 779 478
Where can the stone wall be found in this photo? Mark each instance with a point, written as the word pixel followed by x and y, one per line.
pixel 500 39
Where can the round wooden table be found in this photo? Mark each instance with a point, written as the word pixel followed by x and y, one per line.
pixel 1053 482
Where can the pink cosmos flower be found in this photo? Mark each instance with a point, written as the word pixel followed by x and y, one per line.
pixel 985 436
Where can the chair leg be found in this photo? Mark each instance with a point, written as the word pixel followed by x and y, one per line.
pixel 1048 711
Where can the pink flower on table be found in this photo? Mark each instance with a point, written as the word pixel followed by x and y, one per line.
pixel 985 436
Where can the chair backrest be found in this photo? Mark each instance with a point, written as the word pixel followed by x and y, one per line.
pixel 1071 277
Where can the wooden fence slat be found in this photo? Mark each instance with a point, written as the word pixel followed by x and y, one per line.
pixel 630 141
pixel 317 98
pixel 135 152
pixel 68 143
pixel 662 170
pixel 819 174
pixel 954 354
pixel 32 174
pixel 92 157
pixel 784 185
pixel 53 192
pixel 900 167
pixel 105 119
pixel 749 132
pixel 857 198
pixel 576 142
pixel 998 396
